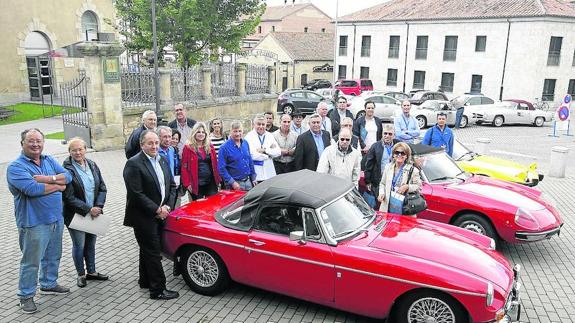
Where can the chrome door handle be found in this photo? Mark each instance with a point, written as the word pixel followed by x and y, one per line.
pixel 257 242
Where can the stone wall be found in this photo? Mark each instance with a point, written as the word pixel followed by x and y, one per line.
pixel 228 109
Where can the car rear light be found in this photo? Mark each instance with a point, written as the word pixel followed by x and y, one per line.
pixel 526 220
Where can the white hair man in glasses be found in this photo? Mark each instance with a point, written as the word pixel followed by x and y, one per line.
pixel 341 160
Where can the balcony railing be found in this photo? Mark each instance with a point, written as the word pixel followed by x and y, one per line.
pixel 449 54
pixel 393 52
pixel 553 58
pixel 421 53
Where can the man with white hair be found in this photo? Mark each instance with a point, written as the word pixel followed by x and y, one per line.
pixel 341 159
pixel 322 109
pixel 263 148
pixel 149 122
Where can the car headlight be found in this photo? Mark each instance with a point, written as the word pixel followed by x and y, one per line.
pixel 489 300
pixel 525 219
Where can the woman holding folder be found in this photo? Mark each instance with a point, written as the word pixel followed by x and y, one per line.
pixel 85 195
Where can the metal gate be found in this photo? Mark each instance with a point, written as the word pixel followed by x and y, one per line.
pixel 75 109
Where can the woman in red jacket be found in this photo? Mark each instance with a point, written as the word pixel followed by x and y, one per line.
pixel 200 164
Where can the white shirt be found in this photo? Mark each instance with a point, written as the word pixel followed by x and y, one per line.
pixel 371 129
pixel 263 163
pixel 155 161
pixel 326 125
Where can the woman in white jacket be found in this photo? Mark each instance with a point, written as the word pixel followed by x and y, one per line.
pixel 396 175
pixel 341 160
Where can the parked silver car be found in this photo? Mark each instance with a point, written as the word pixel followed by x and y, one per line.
pixel 513 112
pixel 385 106
pixel 426 113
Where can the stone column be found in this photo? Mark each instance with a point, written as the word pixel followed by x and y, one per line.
pixel 241 79
pixel 104 94
pixel 272 79
pixel 207 82
pixel 165 86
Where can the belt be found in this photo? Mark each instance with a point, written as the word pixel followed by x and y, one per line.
pixel 243 179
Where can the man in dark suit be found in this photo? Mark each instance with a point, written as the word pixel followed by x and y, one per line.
pixel 377 157
pixel 337 115
pixel 183 124
pixel 311 144
pixel 149 122
pixel 151 196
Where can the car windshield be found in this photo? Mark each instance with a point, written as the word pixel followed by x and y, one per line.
pixel 440 167
pixel 231 216
pixel 346 215
pixel 460 152
pixel 417 95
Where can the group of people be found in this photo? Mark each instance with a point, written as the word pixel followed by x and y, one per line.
pixel 166 162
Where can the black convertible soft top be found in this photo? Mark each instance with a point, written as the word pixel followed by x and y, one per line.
pixel 303 188
pixel 421 149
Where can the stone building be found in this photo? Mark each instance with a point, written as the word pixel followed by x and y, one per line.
pixel 32 60
pixel 521 49
pixel 298 57
pixel 290 18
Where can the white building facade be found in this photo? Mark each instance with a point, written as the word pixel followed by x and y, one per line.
pixel 525 55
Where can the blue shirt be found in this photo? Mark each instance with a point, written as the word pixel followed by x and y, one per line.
pixel 235 163
pixel 87 179
pixel 31 206
pixel 318 143
pixel 406 128
pixel 385 156
pixel 437 138
pixel 170 155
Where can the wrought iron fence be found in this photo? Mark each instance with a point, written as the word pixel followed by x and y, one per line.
pixel 137 86
pixel 223 80
pixel 187 84
pixel 75 108
pixel 256 79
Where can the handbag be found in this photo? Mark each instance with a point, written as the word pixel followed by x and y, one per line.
pixel 414 201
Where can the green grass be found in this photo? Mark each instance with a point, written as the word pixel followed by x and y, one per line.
pixel 56 135
pixel 30 111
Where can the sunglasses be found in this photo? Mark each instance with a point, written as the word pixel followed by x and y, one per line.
pixel 388 133
pixel 344 139
pixel 399 153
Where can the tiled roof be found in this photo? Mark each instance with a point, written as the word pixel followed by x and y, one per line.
pixel 306 46
pixel 280 12
pixel 395 10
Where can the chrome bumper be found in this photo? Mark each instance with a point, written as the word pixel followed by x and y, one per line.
pixel 513 305
pixel 537 236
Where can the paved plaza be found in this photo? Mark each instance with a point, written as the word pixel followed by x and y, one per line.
pixel 548 275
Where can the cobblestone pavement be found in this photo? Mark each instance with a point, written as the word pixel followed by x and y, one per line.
pixel 547 277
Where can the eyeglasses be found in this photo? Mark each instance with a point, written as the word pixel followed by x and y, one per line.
pixel 399 153
pixel 344 139
pixel 388 133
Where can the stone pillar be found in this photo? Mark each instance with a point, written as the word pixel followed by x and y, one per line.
pixel 104 94
pixel 241 79
pixel 207 82
pixel 271 79
pixel 482 146
pixel 558 161
pixel 165 86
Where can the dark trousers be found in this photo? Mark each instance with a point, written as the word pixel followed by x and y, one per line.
pixel 151 271
pixel 282 168
pixel 205 190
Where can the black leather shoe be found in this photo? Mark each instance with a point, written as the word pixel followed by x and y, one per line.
pixel 146 286
pixel 97 276
pixel 165 295
pixel 81 282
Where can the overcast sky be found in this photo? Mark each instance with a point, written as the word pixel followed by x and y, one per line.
pixel 328 6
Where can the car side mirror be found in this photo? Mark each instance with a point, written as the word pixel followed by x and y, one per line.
pixel 297 236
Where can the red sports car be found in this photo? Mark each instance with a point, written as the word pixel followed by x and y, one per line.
pixel 313 237
pixel 499 209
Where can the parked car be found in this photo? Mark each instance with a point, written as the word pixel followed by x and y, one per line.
pixel 495 167
pixel 354 87
pixel 398 95
pixel 498 209
pixel 292 236
pixel 328 94
pixel 385 107
pixel 469 102
pixel 513 112
pixel 317 84
pixel 304 100
pixel 426 113
pixel 421 96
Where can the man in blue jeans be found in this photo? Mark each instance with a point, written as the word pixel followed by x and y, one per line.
pixel 37 182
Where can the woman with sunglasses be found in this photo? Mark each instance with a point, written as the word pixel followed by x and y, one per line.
pixel 400 175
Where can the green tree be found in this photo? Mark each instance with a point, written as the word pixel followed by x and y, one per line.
pixel 196 29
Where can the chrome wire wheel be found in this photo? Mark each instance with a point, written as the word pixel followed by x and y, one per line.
pixel 203 268
pixel 473 226
pixel 430 310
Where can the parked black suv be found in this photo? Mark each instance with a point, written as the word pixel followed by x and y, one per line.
pixel 317 84
pixel 303 100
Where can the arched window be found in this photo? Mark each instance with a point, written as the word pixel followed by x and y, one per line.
pixel 89 26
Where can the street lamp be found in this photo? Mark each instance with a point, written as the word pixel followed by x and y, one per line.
pixel 155 49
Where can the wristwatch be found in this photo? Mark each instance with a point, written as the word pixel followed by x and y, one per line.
pixel 53 178
pixel 169 208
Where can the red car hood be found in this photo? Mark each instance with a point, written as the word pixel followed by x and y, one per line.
pixel 429 242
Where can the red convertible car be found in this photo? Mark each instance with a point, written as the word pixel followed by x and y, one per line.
pixel 499 209
pixel 293 235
